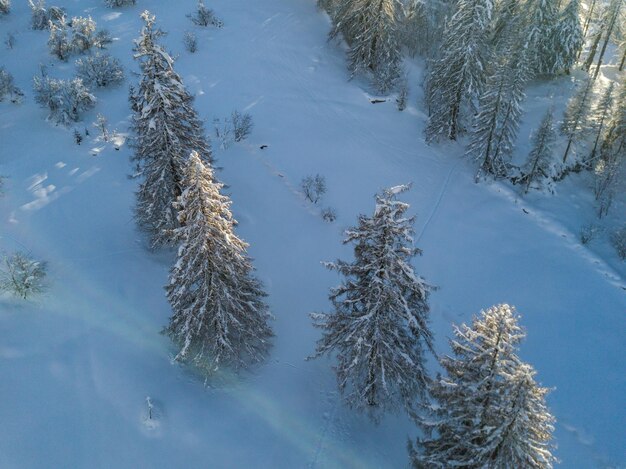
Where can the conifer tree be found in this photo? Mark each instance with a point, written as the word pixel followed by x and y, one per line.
pixel 598 119
pixel 499 112
pixel 379 326
pixel 458 75
pixel 219 316
pixel 167 129
pixel 576 115
pixel 541 17
pixel 505 24
pixel 611 16
pixel 568 37
pixel 539 164
pixel 488 410
pixel 370 27
pixel 610 167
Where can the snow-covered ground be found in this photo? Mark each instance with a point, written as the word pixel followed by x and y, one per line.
pixel 77 365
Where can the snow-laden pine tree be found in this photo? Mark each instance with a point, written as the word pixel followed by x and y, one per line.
pixel 371 29
pixel 609 26
pixel 167 129
pixel 598 118
pixel 499 112
pixel 568 37
pixel 457 76
pixel 611 166
pixel 488 412
pixel 539 165
pixel 540 19
pixel 575 118
pixel 379 326
pixel 219 316
pixel 507 16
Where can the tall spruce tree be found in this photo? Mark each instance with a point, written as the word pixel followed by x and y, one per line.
pixel 611 166
pixel 541 18
pixel 371 29
pixel 599 117
pixel 575 118
pixel 457 77
pixel 609 23
pixel 167 129
pixel 219 316
pixel 499 113
pixel 538 167
pixel 568 37
pixel 488 410
pixel 379 326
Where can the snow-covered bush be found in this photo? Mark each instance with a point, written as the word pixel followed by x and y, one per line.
pixel 65 99
pixel 9 40
pixel 83 33
pixel 5 7
pixel 102 38
pixel 204 16
pixel 58 42
pixel 618 240
pixel 8 88
pixel 242 125
pixel 588 233
pixel 22 276
pixel 119 3
pixel 42 17
pixel 235 128
pixel 191 42
pixel 100 70
pixel 329 214
pixel 403 93
pixel 313 187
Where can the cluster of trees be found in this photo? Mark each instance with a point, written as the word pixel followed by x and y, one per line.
pixel 481 55
pixel 220 319
pixel 66 100
pixel 83 37
pixel 487 411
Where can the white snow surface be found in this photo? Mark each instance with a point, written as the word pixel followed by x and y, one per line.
pixel 77 364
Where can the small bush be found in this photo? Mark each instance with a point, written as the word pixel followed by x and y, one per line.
pixel 8 88
pixel 618 240
pixel 22 276
pixel 588 233
pixel 313 187
pixel 119 3
pixel 9 40
pixel 65 99
pixel 191 42
pixel 242 125
pixel 235 128
pixel 78 138
pixel 102 39
pixel 58 42
pixel 403 93
pixel 5 7
pixel 100 70
pixel 103 126
pixel 83 34
pixel 204 16
pixel 329 215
